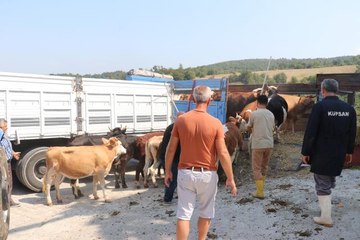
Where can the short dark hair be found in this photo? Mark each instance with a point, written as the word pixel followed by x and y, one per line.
pixel 262 99
pixel 330 85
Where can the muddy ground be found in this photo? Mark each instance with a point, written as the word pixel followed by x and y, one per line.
pixel 286 212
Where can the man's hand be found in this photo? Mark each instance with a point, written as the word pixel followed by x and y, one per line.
pixel 16 155
pixel 230 183
pixel 348 158
pixel 306 159
pixel 168 178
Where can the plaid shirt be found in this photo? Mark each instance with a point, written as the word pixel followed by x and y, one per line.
pixel 6 144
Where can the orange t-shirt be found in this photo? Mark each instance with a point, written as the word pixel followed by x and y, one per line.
pixel 197 131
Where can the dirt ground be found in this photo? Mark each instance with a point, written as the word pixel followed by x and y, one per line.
pixel 286 212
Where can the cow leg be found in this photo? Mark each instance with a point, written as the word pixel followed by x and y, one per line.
pixel 148 159
pixel 153 171
pixel 95 181
pixel 78 189
pixel 57 182
pixel 155 165
pixel 101 179
pixel 117 174
pixel 146 172
pixel 282 124
pixel 74 183
pixel 73 188
pixel 47 181
pixel 159 169
pixel 139 170
pixel 122 169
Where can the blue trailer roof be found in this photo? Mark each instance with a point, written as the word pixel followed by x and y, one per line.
pixel 147 79
pixel 214 84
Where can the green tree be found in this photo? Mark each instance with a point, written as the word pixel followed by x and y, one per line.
pixel 189 74
pixel 294 79
pixel 245 77
pixel 178 74
pixel 280 78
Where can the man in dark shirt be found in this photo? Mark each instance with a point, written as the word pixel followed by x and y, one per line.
pixel 328 141
pixel 169 191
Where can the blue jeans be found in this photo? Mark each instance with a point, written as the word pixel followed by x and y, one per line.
pixel 169 191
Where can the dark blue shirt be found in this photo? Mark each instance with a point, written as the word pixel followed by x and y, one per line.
pixel 329 136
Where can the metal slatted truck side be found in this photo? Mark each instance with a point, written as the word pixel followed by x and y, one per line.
pixel 45 111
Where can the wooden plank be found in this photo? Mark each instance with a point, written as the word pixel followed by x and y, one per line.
pixel 347 81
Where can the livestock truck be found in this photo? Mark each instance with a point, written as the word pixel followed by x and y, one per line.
pixel 44 111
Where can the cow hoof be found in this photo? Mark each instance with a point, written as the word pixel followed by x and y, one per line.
pixel 96 198
pixel 59 201
pixel 124 186
pixel 117 186
pixel 108 200
pixel 146 186
pixel 77 197
pixel 49 204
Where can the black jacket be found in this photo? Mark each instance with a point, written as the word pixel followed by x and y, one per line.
pixel 165 142
pixel 329 135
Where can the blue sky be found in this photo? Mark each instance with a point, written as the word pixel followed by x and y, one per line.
pixel 81 36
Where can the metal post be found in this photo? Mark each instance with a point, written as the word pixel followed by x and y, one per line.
pixel 78 88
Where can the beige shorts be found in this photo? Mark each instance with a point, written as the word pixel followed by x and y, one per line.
pixel 200 185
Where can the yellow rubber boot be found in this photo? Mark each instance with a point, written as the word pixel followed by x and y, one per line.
pixel 259 189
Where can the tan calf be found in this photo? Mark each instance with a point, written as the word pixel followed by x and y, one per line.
pixel 151 154
pixel 79 162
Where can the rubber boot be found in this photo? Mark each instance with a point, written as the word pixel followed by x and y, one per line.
pixel 259 189
pixel 325 207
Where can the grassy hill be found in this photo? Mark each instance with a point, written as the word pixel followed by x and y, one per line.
pixel 299 73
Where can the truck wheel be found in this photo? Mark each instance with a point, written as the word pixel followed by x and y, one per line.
pixel 32 168
pixel 4 202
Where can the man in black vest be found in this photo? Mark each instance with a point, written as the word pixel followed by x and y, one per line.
pixel 328 142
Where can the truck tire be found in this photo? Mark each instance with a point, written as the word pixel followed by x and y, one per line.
pixel 4 200
pixel 32 168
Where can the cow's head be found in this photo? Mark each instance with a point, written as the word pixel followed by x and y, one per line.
pixel 119 133
pixel 306 102
pixel 113 142
pixel 116 131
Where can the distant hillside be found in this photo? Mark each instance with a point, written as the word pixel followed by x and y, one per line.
pixel 299 73
pixel 253 65
pixel 252 70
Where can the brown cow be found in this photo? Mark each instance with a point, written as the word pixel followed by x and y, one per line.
pixel 237 101
pixel 297 106
pixel 151 159
pixel 80 162
pixel 233 141
pixel 137 151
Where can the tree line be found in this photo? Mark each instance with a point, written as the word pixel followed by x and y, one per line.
pixel 242 71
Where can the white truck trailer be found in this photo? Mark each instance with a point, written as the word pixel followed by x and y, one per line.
pixel 44 111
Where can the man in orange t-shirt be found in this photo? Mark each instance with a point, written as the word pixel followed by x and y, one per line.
pixel 201 137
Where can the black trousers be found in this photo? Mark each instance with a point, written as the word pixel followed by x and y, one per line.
pixel 324 184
